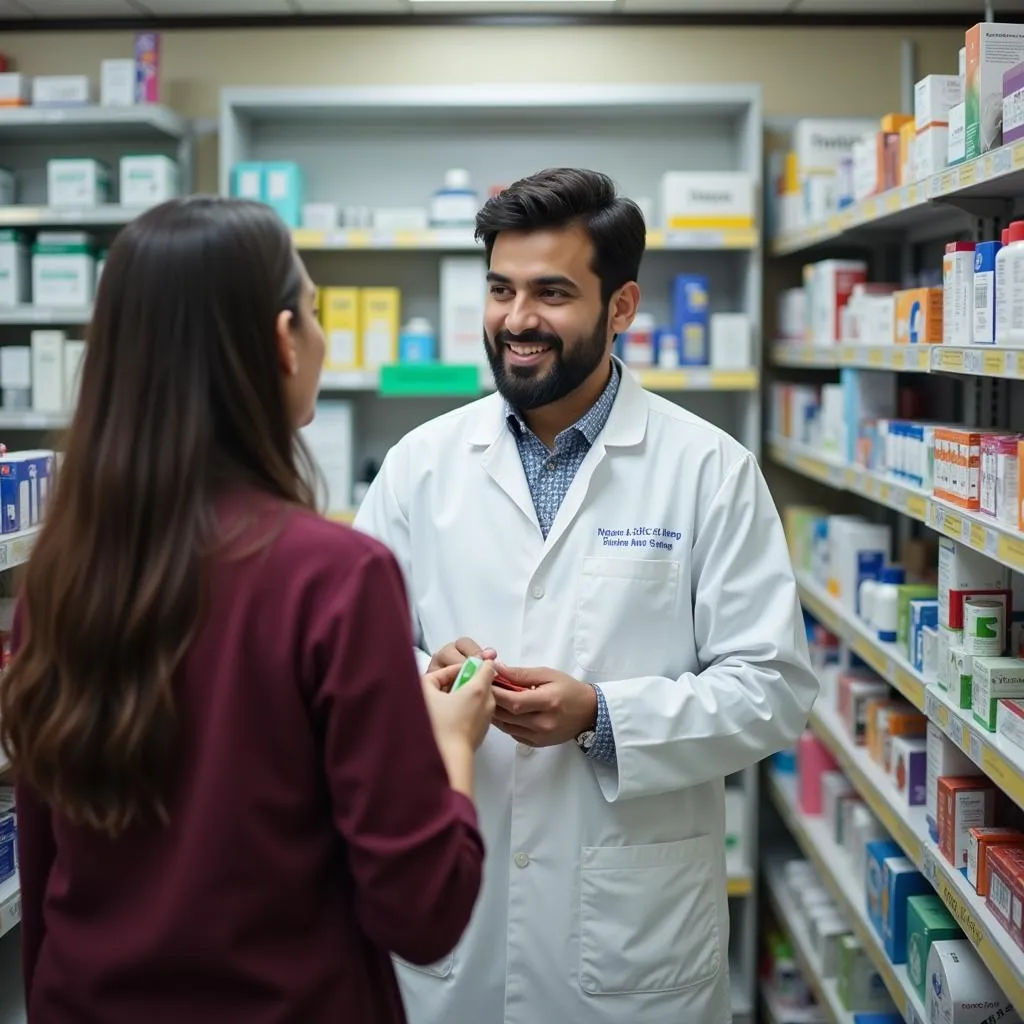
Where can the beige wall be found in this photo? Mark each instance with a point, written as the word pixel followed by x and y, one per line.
pixel 802 71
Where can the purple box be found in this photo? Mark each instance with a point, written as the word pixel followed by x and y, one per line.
pixel 909 768
pixel 1013 104
pixel 147 67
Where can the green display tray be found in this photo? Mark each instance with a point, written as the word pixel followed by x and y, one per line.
pixel 429 380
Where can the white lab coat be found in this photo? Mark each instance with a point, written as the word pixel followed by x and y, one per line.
pixel 665 578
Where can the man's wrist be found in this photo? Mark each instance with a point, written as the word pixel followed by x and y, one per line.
pixel 588 713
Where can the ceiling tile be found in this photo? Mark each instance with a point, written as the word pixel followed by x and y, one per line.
pixel 353 6
pixel 79 8
pixel 237 8
pixel 705 6
pixel 905 7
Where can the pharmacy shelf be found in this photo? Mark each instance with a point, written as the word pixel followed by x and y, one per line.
pixel 856 479
pixel 10 904
pixel 931 203
pixel 696 378
pixel 907 826
pixel 462 240
pixel 27 419
pixel 888 660
pixel 15 548
pixel 45 315
pixel 825 989
pixel 975 361
pixel 110 215
pixel 834 867
pixel 910 358
pixel 983 533
pixel 1000 760
pixel 140 123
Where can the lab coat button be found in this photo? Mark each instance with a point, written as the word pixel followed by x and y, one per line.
pixel 537 591
pixel 524 749
pixel 522 859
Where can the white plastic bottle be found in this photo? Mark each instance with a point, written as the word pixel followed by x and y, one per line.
pixel 1014 284
pixel 1002 294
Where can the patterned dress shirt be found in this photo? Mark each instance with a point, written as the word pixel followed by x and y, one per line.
pixel 549 472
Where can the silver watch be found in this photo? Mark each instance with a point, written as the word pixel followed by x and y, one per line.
pixel 585 740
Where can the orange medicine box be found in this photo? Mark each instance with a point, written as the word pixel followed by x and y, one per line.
pixel 919 316
pixel 979 842
pixel 957 469
pixel 963 803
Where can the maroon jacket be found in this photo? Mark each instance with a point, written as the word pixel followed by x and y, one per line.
pixel 312 826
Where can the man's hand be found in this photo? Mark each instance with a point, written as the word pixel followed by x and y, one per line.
pixel 553 707
pixel 458 651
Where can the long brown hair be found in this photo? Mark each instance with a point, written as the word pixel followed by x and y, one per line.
pixel 181 396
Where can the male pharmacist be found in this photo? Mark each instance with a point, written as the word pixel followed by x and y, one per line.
pixel 630 555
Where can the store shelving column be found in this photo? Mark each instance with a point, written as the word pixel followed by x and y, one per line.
pixel 374 147
pixel 29 138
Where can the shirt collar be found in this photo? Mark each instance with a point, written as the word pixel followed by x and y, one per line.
pixel 590 424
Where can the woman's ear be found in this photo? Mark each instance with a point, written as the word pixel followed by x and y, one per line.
pixel 286 354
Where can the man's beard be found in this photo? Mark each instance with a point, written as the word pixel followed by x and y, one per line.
pixel 528 387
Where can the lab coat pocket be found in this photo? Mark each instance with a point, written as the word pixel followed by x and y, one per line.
pixel 626 614
pixel 648 917
pixel 438 969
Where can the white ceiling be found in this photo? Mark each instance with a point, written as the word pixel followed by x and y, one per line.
pixel 190 8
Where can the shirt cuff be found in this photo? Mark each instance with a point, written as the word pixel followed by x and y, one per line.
pixel 603 747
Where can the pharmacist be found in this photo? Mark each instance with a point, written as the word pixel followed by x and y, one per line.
pixel 625 561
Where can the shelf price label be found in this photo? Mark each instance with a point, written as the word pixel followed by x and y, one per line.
pixel 1005 775
pixel 962 911
pixel 898 359
pixel 917 506
pixel 875 357
pixel 978 537
pixel 1018 370
pixel 10 914
pixel 956 730
pixel 971 361
pixel 974 748
pixel 993 364
pixel 1018 156
pixel 1010 551
pixel 947 182
pixel 968 174
pixel 5 555
pixel 988 166
pixel 893 201
pixel 936 710
pixel 949 359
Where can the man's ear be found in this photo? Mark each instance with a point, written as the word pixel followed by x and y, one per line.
pixel 624 305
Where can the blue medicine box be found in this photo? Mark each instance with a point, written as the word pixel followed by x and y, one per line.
pixel 24 483
pixel 690 318
pixel 900 881
pixel 877 1018
pixel 878 851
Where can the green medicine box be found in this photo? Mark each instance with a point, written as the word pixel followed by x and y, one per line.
pixel 928 921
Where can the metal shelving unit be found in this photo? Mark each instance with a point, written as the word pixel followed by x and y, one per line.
pixel 390 147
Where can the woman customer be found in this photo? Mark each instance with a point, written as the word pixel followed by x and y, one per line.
pixel 235 794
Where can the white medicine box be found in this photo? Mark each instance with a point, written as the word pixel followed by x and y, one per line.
pixel 77 183
pixel 63 269
pixel 148 180
pixel 14 269
pixel 117 83
pixel 933 98
pixel 707 202
pixel 60 91
pixel 48 371
pixel 463 295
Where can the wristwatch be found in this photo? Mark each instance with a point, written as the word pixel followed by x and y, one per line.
pixel 585 740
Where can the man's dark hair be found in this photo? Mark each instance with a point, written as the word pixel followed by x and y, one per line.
pixel 565 196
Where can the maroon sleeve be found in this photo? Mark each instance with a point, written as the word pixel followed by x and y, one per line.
pixel 414 848
pixel 36 852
